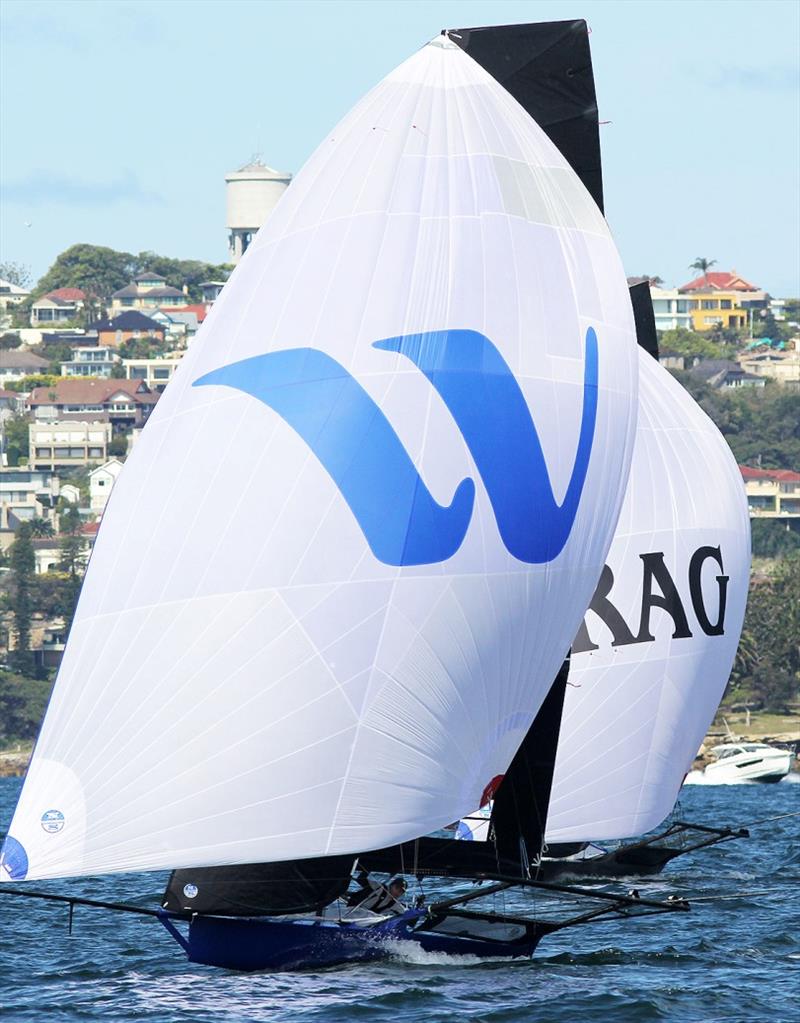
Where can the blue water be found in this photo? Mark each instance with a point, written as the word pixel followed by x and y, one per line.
pixel 733 959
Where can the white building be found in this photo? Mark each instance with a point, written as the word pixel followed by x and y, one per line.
pixel 156 373
pixel 64 443
pixel 101 482
pixel 90 362
pixel 252 193
pixel 671 309
pixel 11 295
pixel 24 495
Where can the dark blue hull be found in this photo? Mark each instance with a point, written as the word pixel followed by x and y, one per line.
pixel 273 944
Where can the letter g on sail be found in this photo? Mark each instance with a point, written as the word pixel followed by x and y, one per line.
pixel 355 443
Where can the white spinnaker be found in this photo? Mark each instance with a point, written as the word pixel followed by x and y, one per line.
pixel 635 714
pixel 244 680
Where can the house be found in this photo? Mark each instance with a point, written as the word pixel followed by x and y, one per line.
pixel 90 361
pixel 11 295
pixel 25 494
pixel 116 331
pixel 47 554
pixel 70 493
pixel 783 366
pixel 722 298
pixel 9 402
pixel 122 403
pixel 211 291
pixel 723 373
pixel 101 482
pixel 57 306
pixel 18 363
pixel 180 324
pixel 156 373
pixel 677 360
pixel 147 291
pixel 772 493
pixel 671 309
pixel 63 444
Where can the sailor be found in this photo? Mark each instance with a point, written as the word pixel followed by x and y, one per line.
pixel 377 897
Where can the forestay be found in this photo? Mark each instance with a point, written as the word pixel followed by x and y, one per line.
pixel 650 665
pixel 350 550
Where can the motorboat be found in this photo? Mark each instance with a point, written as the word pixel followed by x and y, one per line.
pixel 747 761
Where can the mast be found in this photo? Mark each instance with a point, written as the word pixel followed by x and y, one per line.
pixel 519 808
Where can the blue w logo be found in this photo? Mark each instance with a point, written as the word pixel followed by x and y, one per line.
pixel 357 446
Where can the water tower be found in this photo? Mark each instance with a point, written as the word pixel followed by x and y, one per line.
pixel 252 192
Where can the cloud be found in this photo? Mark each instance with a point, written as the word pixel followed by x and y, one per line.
pixel 42 188
pixel 760 79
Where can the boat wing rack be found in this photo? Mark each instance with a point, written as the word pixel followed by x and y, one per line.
pixel 611 905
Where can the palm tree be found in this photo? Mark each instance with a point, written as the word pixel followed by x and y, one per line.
pixel 41 528
pixel 703 265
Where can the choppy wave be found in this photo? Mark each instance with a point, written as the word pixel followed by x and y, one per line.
pixel 726 959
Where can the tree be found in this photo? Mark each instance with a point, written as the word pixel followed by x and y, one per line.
pixel 689 342
pixel 771 539
pixel 9 340
pixel 41 528
pixel 22 562
pixel 71 563
pixel 118 446
pixel 703 265
pixel 23 702
pixel 767 667
pixel 95 269
pixel 16 438
pixel 99 271
pixel 16 273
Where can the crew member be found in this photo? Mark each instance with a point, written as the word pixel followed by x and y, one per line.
pixel 377 897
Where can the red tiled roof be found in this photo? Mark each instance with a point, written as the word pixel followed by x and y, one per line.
pixel 719 280
pixel 780 475
pixel 67 294
pixel 199 310
pixel 90 528
pixel 7 394
pixel 88 392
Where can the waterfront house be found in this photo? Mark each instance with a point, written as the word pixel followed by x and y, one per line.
pixel 57 306
pixel 146 292
pixel 18 363
pixel 101 482
pixel 122 403
pixel 90 361
pixel 116 331
pixel 68 443
pixel 773 494
pixel 156 373
pixel 723 373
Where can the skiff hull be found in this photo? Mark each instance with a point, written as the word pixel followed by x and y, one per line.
pixel 252 944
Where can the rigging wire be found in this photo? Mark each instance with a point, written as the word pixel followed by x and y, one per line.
pixel 777 817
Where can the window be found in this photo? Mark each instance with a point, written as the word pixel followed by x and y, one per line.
pixel 95 452
pixel 44 452
pixel 76 452
pixel 101 483
pixel 725 303
pixel 161 374
pixel 62 452
pixel 138 373
pixel 709 303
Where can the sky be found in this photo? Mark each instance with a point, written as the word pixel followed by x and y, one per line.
pixel 119 121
